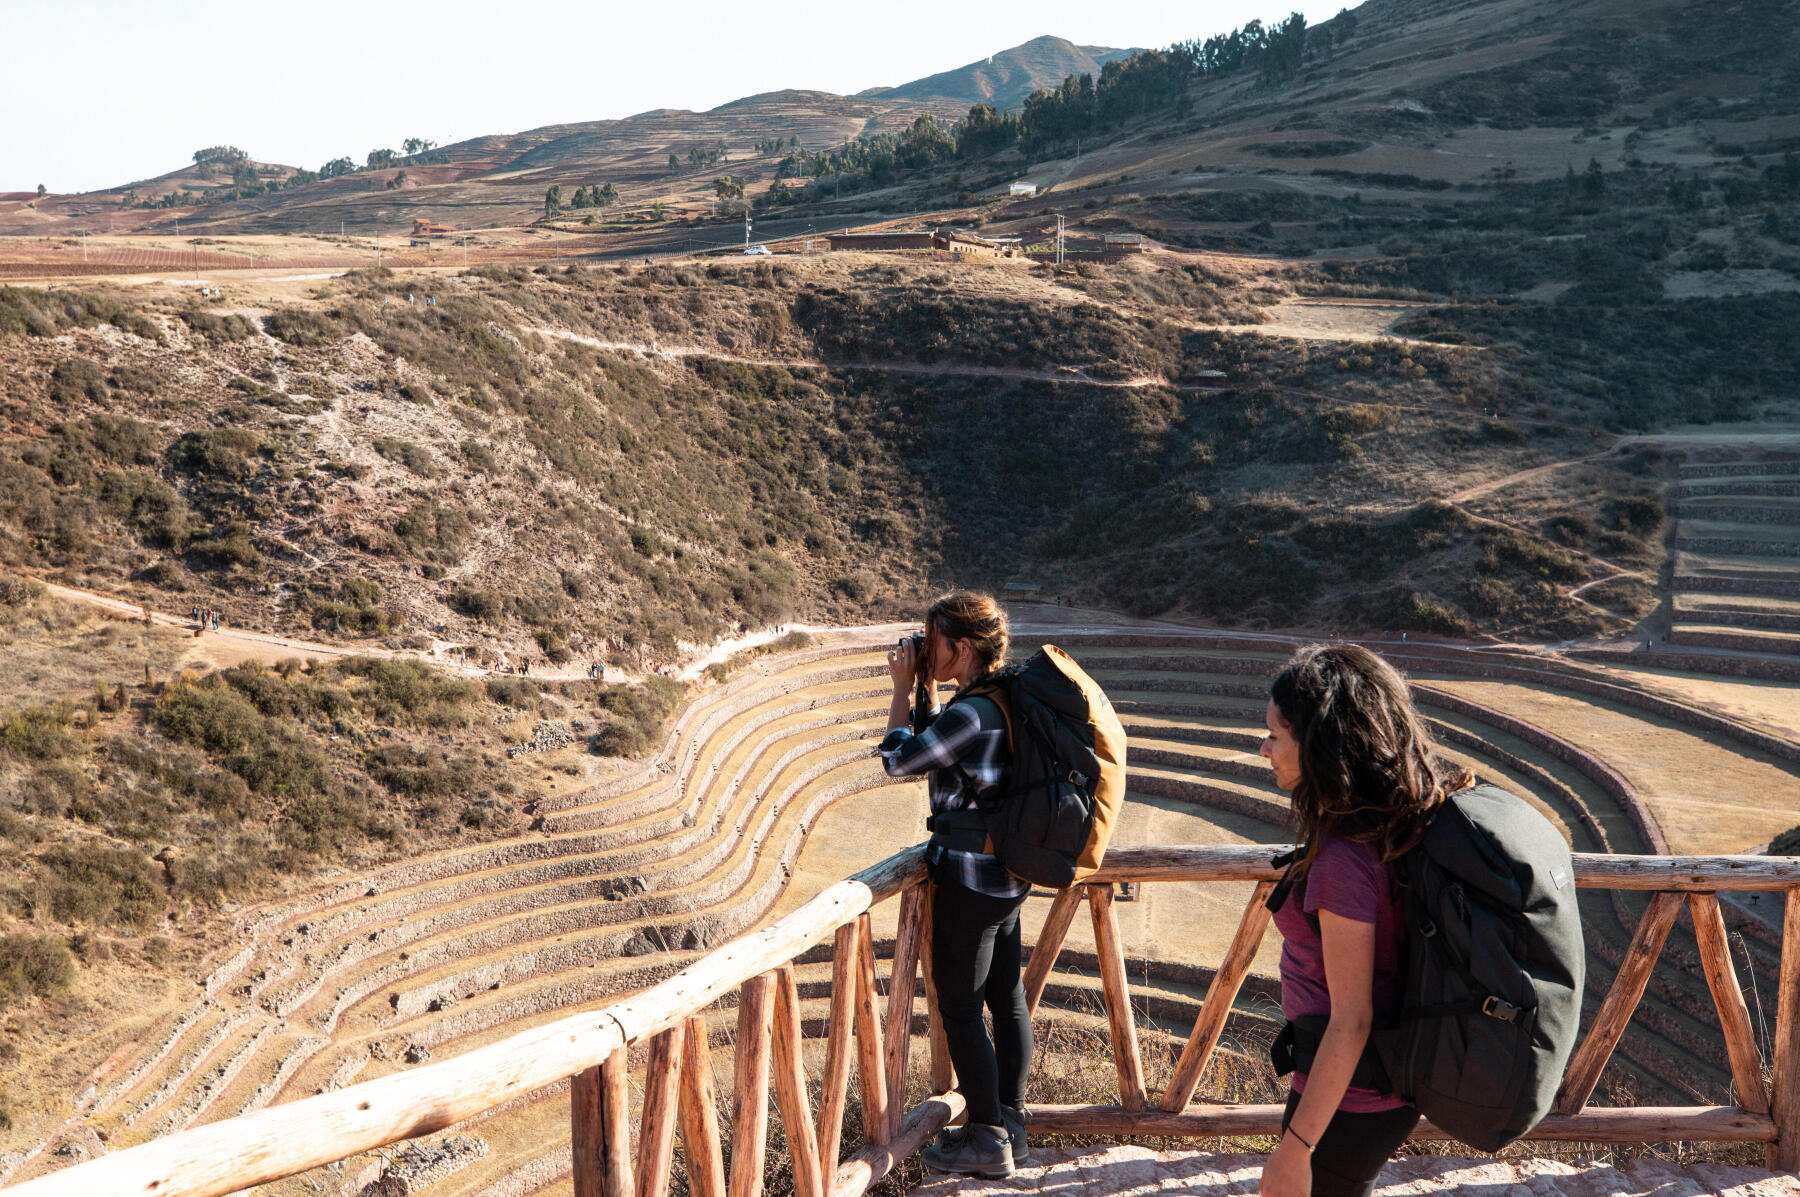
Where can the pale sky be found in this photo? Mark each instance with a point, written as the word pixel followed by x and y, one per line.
pixel 96 94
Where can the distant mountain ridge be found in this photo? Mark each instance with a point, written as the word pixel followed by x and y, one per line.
pixel 1006 78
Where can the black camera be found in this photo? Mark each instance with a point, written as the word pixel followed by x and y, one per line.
pixel 917 640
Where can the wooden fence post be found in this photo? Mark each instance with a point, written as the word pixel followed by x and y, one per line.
pixel 1049 943
pixel 1728 996
pixel 871 1072
pixel 1628 984
pixel 835 1088
pixel 790 1087
pixel 943 1077
pixel 1784 1152
pixel 615 1122
pixel 1217 1006
pixel 662 1092
pixel 700 1112
pixel 587 1134
pixel 900 1002
pixel 750 1086
pixel 1118 997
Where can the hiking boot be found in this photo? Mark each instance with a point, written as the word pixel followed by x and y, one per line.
pixel 975 1150
pixel 1014 1118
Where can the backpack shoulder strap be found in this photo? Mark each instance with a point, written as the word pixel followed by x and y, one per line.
pixel 995 691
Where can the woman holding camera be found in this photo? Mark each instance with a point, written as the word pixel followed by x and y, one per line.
pixel 1346 743
pixel 963 750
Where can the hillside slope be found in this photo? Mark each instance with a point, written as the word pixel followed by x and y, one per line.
pixel 603 462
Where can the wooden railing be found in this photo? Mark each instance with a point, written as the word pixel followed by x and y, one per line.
pixel 668 1021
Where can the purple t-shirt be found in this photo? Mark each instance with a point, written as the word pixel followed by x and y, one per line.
pixel 1348 879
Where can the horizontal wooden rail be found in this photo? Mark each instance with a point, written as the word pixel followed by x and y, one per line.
pixel 229 1156
pixel 1593 870
pixel 224 1157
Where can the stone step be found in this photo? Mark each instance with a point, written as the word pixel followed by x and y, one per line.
pixel 1779 467
pixel 1753 640
pixel 1775 614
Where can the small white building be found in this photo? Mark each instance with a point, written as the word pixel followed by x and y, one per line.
pixel 1023 189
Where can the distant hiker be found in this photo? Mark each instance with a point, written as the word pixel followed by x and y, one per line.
pixel 975 946
pixel 215 619
pixel 196 612
pixel 525 666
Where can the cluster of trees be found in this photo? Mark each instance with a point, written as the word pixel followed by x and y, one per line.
pixel 775 145
pixel 584 197
pixel 172 199
pixel 1082 108
pixel 702 155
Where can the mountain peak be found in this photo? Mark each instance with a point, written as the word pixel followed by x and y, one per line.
pixel 1006 78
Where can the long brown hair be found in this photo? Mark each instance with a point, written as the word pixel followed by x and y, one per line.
pixel 962 615
pixel 1368 768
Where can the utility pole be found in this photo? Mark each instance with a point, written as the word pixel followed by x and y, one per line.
pixel 1059 239
pixel 746 226
pixel 465 243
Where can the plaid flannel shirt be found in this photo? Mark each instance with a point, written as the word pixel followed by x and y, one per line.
pixel 961 742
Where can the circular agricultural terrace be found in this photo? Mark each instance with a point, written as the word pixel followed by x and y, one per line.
pixel 767 790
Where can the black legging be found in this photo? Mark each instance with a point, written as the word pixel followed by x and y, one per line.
pixel 1349 1155
pixel 975 952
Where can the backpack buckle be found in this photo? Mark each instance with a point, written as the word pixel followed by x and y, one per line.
pixel 1079 781
pixel 1505 1011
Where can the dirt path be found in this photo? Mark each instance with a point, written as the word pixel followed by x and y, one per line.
pixel 271 649
pixel 1073 374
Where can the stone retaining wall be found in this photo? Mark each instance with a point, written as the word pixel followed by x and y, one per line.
pixel 1595 769
pixel 1737 546
pixel 1696 637
pixel 1741 511
pixel 1708 488
pixel 1776 587
pixel 1762 668
pixel 1741 617
pixel 1734 469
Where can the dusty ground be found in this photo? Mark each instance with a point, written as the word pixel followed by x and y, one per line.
pixel 1708 796
pixel 1142 1172
pixel 1775 705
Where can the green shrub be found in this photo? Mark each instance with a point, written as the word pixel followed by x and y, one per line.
pixel 1569 529
pixel 513 691
pixel 480 456
pixel 219 454
pixel 41 734
pixel 34 966
pixel 408 454
pixel 101 885
pixel 410 773
pixel 218 328
pixel 411 690
pixel 303 328
pixel 210 715
pixel 428 530
pixel 76 378
pixel 488 606
pixel 1639 515
pixel 638 715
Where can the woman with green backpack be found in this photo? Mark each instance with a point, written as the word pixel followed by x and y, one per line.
pixel 1345 742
